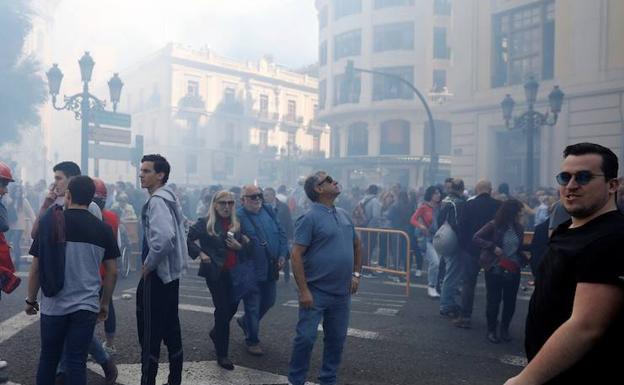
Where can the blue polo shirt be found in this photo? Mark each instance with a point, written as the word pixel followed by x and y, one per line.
pixel 328 234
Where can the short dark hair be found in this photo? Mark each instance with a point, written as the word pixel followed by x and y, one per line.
pixel 82 190
pixel 431 190
pixel 372 189
pixel 309 186
pixel 69 168
pixel 160 165
pixel 609 164
pixel 507 212
pixel 503 188
pixel 457 185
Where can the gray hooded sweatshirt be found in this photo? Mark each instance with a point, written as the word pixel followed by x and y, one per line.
pixel 163 225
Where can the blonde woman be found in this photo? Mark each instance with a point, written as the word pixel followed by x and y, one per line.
pixel 218 242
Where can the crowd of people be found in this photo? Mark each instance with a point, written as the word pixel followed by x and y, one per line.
pixel 243 237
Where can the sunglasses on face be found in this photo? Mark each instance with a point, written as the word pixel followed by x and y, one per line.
pixel 582 177
pixel 226 203
pixel 254 197
pixel 327 179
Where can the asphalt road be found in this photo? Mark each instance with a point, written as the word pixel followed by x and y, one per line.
pixel 392 339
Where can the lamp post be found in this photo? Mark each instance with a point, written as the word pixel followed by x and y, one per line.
pixel 433 165
pixel 532 120
pixel 83 103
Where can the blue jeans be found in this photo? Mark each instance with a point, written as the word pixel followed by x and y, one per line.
pixel 452 279
pixel 335 313
pixel 433 264
pixel 69 331
pixel 95 349
pixel 256 306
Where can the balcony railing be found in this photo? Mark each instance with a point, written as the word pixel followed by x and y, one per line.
pixel 266 115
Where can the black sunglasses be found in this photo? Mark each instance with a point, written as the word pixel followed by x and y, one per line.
pixel 253 197
pixel 228 203
pixel 582 177
pixel 327 179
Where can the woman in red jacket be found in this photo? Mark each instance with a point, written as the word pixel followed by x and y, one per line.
pixel 424 219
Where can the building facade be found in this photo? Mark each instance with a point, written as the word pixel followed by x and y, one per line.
pixel 575 44
pixel 379 126
pixel 222 121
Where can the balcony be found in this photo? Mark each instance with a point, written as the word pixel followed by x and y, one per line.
pixel 265 118
pixel 232 107
pixel 269 151
pixel 190 107
pixel 291 123
pixel 315 127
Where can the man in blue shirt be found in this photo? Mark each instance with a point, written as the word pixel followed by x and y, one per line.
pixel 326 263
pixel 269 248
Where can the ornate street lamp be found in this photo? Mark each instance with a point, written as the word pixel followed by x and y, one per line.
pixel 82 103
pixel 532 120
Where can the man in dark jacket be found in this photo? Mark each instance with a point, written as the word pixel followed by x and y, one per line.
pixel 477 212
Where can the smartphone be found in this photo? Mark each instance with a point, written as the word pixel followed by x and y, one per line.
pixel 230 234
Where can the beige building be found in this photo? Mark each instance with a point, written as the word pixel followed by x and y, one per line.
pixel 379 125
pixel 219 120
pixel 575 44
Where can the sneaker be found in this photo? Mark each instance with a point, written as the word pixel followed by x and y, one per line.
pixel 418 273
pixel 255 350
pixel 110 349
pixel 432 292
pixel 463 323
pixel 110 371
pixel 449 313
pixel 3 364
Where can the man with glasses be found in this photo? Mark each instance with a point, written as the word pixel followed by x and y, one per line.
pixel 269 248
pixel 326 263
pixel 574 328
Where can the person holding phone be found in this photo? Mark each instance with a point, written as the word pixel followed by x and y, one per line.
pixel 216 239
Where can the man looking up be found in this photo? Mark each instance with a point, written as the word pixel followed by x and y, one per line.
pixel 574 331
pixel 164 255
pixel 67 253
pixel 326 263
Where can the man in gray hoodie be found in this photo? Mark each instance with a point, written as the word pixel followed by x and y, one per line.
pixel 164 256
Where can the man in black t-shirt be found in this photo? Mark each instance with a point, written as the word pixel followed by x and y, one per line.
pixel 574 331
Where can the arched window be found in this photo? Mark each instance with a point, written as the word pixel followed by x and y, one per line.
pixel 395 137
pixel 358 139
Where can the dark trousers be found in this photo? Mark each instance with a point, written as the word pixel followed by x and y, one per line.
pixel 221 292
pixel 72 332
pixel 500 287
pixel 471 269
pixel 157 321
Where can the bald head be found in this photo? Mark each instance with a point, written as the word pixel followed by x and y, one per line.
pixel 483 187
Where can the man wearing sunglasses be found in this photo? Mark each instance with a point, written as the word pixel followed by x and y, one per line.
pixel 574 330
pixel 269 250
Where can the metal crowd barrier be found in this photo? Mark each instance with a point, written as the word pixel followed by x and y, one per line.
pixel 389 244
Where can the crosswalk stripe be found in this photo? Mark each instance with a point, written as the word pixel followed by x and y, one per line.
pixel 15 324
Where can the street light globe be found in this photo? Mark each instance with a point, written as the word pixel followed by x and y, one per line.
pixel 114 86
pixel 55 76
pixel 86 67
pixel 530 91
pixel 555 100
pixel 507 106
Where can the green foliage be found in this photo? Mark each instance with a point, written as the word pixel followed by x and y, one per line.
pixel 22 90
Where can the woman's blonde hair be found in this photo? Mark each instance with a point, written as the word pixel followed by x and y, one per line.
pixel 213 215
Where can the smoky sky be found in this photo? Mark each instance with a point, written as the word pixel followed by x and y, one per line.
pixel 119 33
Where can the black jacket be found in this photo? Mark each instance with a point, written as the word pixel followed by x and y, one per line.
pixel 282 213
pixel 477 212
pixel 212 245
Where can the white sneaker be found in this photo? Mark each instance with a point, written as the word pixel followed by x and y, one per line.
pixel 3 364
pixel 109 349
pixel 418 273
pixel 432 292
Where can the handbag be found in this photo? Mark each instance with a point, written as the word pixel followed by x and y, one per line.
pixel 209 270
pixel 445 240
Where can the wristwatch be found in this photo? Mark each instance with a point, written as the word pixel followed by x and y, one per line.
pixel 34 304
pixel 357 274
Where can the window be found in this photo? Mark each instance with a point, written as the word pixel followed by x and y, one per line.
pixel 442 7
pixel 263 139
pixel 192 88
pixel 335 143
pixel 323 17
pixel 322 93
pixel 358 139
pixel 347 44
pixel 291 140
pixel 442 138
pixel 229 95
pixel 395 137
pixel 292 110
pixel 440 49
pixel 397 36
pixel 439 80
pixel 316 144
pixel 229 134
pixel 392 3
pixel 346 93
pixel 524 43
pixel 323 53
pixel 264 103
pixel 385 87
pixel 346 7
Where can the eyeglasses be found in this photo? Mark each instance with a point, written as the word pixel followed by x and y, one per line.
pixel 226 203
pixel 582 177
pixel 327 179
pixel 254 197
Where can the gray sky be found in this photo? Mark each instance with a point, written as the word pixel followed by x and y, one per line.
pixel 120 32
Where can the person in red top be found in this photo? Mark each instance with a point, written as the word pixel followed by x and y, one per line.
pixel 218 241
pixel 111 219
pixel 424 219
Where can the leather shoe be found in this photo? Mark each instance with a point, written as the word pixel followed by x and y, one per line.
pixel 491 336
pixel 255 350
pixel 110 372
pixel 225 363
